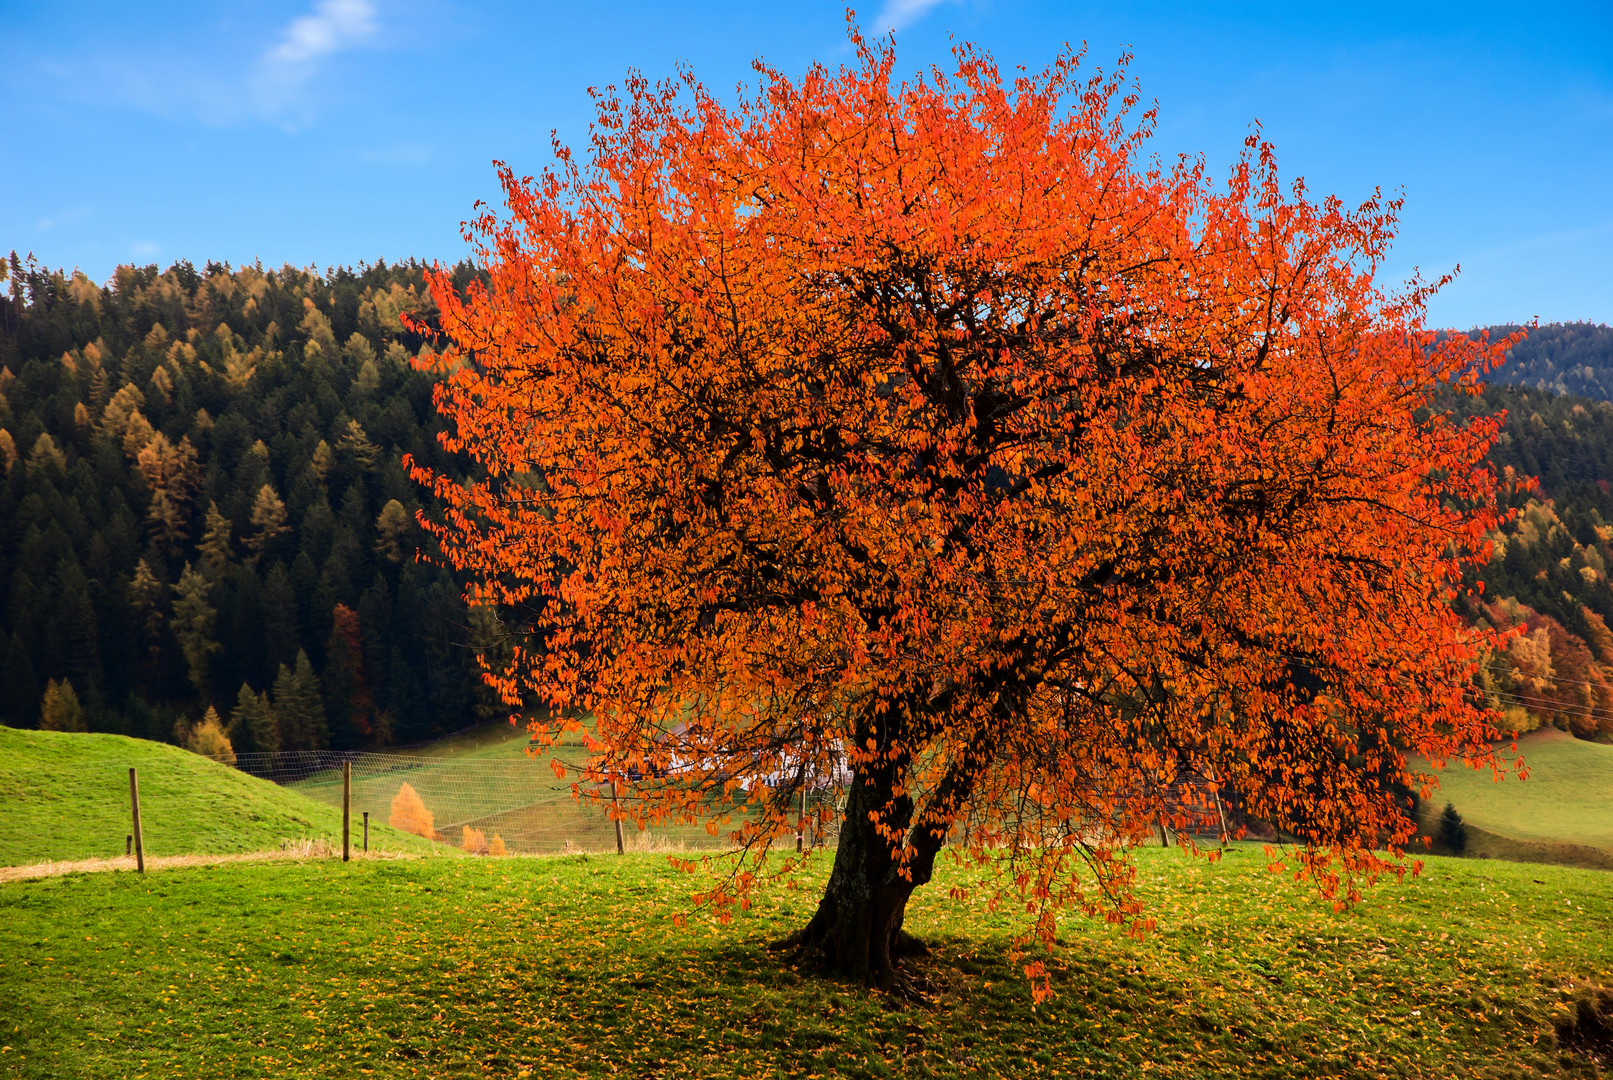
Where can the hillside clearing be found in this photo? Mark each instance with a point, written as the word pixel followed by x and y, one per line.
pixel 1567 799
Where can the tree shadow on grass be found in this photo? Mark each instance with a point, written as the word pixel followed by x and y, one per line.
pixel 728 1007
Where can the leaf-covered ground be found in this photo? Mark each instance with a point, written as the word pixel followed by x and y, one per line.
pixel 568 967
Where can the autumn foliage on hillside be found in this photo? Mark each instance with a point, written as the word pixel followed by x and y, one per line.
pixel 928 440
pixel 410 814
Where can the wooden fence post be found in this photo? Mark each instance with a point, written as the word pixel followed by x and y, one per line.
pixel 616 812
pixel 366 831
pixel 800 826
pixel 139 838
pixel 347 810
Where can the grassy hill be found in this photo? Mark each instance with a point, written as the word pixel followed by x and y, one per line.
pixel 483 779
pixel 66 796
pixel 565 967
pixel 1564 809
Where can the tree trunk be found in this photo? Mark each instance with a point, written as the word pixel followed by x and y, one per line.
pixel 858 925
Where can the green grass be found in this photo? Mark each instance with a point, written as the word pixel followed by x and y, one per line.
pixel 66 796
pixel 498 739
pixel 572 967
pixel 1567 800
pixel 483 778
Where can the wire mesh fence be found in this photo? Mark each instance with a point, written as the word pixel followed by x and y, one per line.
pixel 78 808
pixel 512 805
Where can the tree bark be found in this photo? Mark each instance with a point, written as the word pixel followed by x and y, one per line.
pixel 857 928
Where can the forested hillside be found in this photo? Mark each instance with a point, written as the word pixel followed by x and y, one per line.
pixel 1548 574
pixel 1564 358
pixel 202 503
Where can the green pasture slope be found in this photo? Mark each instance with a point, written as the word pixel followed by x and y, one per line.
pixel 1562 813
pixel 66 796
pixel 484 778
pixel 565 967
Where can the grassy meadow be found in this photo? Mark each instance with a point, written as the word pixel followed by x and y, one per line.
pixel 572 966
pixel 1566 803
pixel 483 779
pixel 66 796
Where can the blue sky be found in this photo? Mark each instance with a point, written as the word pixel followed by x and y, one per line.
pixel 327 131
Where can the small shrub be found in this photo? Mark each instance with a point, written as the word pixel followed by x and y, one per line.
pixel 496 846
pixel 208 739
pixel 473 841
pixel 1452 830
pixel 409 813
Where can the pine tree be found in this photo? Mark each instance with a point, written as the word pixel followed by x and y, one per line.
pixel 269 521
pixel 349 703
pixel 393 526
pixel 60 710
pixel 1452 830
pixel 355 443
pixel 313 702
pixel 146 598
pixel 194 618
pixel 19 689
pixel 208 739
pixel 255 719
pixel 279 615
pixel 215 546
pixel 299 707
pixel 289 719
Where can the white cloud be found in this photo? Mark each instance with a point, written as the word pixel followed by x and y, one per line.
pixel 290 63
pixel 145 249
pixel 900 14
pixel 66 217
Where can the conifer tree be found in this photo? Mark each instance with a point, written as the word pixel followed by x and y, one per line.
pixel 60 709
pixel 254 717
pixel 215 546
pixel 299 708
pixel 19 690
pixel 312 702
pixel 268 521
pixel 208 739
pixel 393 525
pixel 193 622
pixel 288 715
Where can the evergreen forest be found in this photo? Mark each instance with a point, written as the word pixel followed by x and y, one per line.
pixel 203 506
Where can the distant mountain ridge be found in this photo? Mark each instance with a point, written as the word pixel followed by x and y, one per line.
pixel 1565 358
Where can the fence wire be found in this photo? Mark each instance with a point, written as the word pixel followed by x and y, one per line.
pixel 516 805
pixel 79 808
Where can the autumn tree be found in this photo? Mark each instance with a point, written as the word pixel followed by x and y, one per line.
pixel 268 521
pixel 209 740
pixel 60 709
pixel 929 440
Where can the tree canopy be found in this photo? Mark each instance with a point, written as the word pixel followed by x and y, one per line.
pixel 929 440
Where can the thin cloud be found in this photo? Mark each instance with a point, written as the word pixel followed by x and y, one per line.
pixel 287 66
pixel 900 14
pixel 67 217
